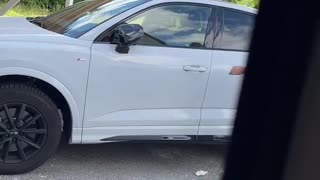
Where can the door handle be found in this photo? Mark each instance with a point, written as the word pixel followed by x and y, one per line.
pixel 194 68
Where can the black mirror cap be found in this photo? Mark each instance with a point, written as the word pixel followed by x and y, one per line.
pixel 126 35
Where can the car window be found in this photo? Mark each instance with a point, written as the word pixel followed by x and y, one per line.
pixel 80 18
pixel 237 30
pixel 174 26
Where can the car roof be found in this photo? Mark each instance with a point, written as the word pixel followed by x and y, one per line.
pixel 219 3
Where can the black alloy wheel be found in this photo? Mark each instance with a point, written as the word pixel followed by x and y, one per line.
pixel 23 132
pixel 30 128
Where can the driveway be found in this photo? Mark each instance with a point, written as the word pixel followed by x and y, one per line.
pixel 131 161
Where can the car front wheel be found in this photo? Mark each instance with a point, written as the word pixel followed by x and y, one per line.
pixel 30 128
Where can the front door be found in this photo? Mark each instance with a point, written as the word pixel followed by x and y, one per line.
pixel 158 87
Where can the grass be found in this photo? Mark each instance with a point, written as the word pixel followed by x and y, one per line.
pixel 27 11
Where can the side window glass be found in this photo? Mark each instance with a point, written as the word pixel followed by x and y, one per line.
pixel 174 26
pixel 237 30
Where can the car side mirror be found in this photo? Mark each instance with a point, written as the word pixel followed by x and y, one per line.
pixel 126 35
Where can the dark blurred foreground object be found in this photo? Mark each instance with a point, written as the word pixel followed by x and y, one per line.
pixel 277 129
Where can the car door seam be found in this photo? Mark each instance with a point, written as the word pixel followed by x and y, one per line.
pixel 205 92
pixel 86 93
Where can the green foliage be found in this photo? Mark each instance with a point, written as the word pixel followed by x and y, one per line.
pixel 249 3
pixel 28 11
pixel 51 5
pixel 32 8
pixel 48 4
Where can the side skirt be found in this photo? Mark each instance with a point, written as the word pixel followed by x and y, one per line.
pixel 205 139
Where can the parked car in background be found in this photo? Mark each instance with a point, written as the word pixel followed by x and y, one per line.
pixel 123 70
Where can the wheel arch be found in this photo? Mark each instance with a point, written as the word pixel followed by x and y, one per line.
pixel 46 81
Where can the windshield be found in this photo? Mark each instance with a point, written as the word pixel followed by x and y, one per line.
pixel 80 18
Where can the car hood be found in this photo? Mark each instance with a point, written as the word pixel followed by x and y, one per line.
pixel 21 29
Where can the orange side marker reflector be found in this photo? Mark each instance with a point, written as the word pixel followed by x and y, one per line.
pixel 238 70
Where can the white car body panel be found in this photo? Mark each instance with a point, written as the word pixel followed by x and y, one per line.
pixel 147 87
pixel 29 50
pixel 145 92
pixel 77 130
pixel 222 93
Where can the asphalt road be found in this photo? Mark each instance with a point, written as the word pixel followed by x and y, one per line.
pixel 133 161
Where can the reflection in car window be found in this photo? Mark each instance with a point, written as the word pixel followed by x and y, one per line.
pixel 84 16
pixel 237 30
pixel 174 26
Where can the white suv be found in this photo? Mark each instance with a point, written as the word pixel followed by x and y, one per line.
pixel 123 70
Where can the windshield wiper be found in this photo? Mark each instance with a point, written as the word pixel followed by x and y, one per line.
pixel 36 21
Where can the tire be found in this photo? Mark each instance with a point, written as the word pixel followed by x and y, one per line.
pixel 32 133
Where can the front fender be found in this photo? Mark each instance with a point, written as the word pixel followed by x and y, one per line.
pixel 75 115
